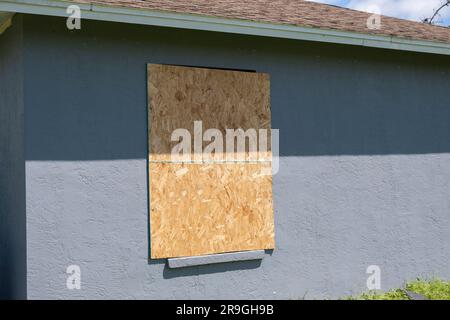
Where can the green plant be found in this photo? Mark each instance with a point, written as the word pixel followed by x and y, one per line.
pixel 396 294
pixel 434 289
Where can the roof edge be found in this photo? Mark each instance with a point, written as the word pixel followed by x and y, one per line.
pixel 217 24
pixel 5 21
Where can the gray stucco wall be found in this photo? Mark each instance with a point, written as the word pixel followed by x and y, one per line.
pixel 364 176
pixel 12 166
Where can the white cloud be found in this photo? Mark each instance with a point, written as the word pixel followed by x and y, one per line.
pixel 406 9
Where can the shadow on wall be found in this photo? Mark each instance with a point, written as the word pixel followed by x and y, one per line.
pixel 12 168
pixel 169 273
pixel 87 100
pixel 210 269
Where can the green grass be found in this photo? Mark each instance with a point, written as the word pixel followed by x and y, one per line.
pixel 434 289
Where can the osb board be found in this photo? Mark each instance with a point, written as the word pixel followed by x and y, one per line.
pixel 221 99
pixel 201 209
pixel 217 207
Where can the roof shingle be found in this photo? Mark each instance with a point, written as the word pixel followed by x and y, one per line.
pixel 290 12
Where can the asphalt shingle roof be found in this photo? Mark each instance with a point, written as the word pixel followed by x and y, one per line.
pixel 290 12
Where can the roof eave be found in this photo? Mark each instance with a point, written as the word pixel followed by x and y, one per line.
pixel 217 24
pixel 5 21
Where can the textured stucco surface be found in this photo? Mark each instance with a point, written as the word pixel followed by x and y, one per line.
pixel 364 175
pixel 349 213
pixel 12 166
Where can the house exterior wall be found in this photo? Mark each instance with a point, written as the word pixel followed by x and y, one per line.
pixel 12 166
pixel 364 164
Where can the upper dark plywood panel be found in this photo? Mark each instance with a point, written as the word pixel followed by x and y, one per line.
pixel 220 99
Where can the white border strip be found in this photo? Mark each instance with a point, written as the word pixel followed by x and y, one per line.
pixel 215 258
pixel 207 23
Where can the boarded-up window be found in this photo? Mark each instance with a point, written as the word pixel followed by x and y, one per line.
pixel 223 203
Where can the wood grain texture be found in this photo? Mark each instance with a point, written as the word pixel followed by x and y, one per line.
pixel 198 209
pixel 221 99
pixel 201 209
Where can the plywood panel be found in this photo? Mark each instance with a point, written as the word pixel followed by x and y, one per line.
pixel 223 205
pixel 221 99
pixel 201 209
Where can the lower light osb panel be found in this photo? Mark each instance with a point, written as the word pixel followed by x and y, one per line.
pixel 199 209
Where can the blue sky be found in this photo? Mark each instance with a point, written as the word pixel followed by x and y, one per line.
pixel 407 9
